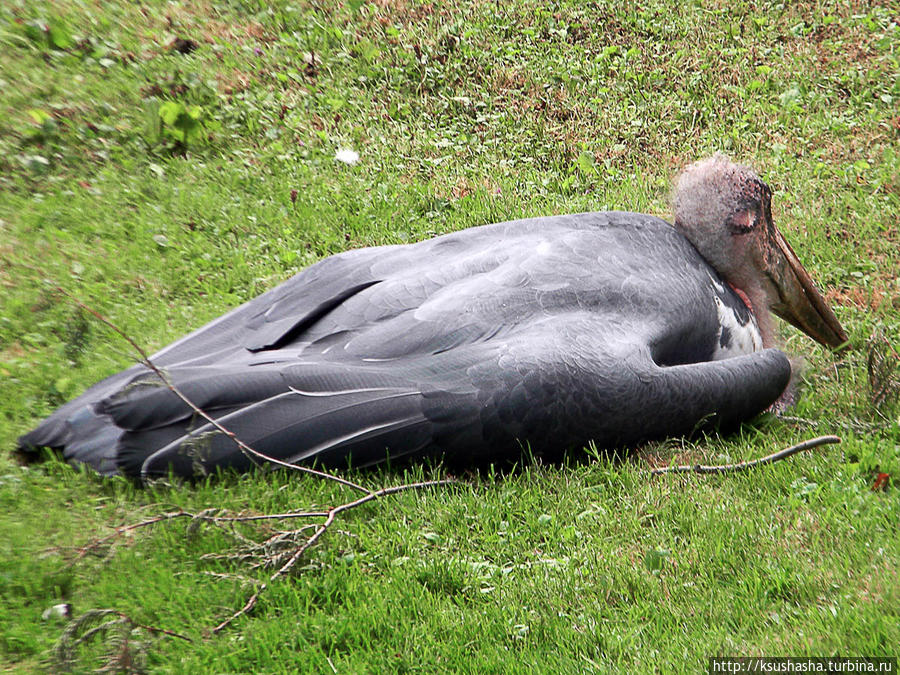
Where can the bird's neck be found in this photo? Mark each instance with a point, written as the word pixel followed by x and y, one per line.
pixel 758 301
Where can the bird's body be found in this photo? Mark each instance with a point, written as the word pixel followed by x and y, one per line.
pixel 546 333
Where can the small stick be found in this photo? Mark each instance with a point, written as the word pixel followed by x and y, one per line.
pixel 265 516
pixel 119 531
pixel 250 604
pixel 123 529
pixel 154 629
pixel 744 466
pixel 333 513
pixel 123 618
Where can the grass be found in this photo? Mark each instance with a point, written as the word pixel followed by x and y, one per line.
pixel 165 187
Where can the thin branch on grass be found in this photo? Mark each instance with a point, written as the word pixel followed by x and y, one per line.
pixel 744 466
pixel 124 529
pixel 249 605
pixel 263 550
pixel 333 513
pixel 329 520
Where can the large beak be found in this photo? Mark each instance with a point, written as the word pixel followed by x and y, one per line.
pixel 800 303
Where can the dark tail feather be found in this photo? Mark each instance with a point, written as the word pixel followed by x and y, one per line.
pixel 147 402
pixel 327 414
pixel 78 431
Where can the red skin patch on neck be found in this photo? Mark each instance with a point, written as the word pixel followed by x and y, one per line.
pixel 743 297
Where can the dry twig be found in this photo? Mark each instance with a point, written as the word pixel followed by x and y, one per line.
pixel 329 520
pixel 744 466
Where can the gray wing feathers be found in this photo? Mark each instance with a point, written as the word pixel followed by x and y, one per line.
pixel 347 427
pixel 220 342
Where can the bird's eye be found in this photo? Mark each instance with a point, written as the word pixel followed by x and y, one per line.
pixel 743 221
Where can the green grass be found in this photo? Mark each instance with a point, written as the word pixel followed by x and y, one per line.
pixel 463 114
